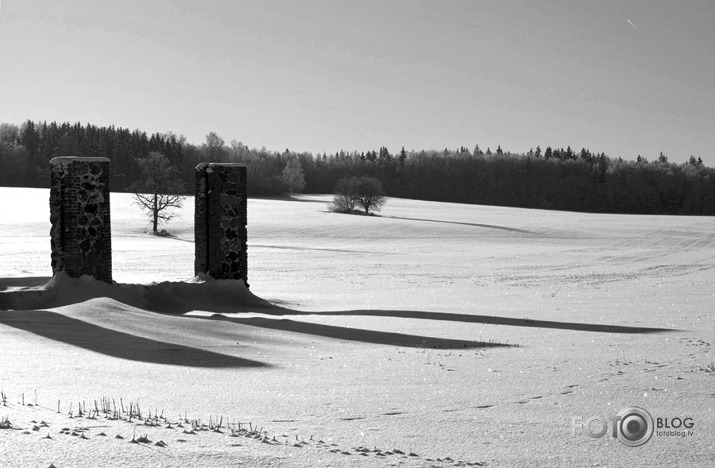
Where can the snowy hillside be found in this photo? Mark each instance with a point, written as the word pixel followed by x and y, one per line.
pixel 463 334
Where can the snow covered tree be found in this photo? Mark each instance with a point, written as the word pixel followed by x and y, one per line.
pixel 9 134
pixel 214 148
pixel 293 176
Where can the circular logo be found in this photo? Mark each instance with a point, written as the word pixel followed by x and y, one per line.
pixel 635 427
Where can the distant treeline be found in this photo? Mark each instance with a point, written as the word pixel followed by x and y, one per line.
pixel 553 178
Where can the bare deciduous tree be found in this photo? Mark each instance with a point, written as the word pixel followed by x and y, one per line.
pixel 160 190
pixel 358 191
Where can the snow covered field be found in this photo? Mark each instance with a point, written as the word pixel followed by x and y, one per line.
pixel 392 332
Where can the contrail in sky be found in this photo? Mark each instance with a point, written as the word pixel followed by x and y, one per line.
pixel 631 23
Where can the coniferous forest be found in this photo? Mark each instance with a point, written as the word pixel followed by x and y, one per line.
pixel 548 178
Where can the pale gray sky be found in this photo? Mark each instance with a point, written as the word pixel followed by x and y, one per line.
pixel 626 77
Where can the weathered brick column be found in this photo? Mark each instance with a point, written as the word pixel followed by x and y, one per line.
pixel 220 220
pixel 79 212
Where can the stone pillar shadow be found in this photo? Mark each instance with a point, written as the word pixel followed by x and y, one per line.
pixel 220 220
pixel 80 235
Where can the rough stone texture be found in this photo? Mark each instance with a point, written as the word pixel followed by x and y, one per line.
pixel 80 235
pixel 220 221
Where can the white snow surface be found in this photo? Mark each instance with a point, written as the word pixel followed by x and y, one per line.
pixel 66 160
pixel 363 333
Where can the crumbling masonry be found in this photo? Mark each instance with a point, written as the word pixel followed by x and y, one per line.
pixel 79 213
pixel 81 235
pixel 220 220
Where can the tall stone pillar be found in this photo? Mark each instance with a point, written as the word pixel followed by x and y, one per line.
pixel 79 212
pixel 220 220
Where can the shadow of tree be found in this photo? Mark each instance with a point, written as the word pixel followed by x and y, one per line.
pixel 117 344
pixel 487 226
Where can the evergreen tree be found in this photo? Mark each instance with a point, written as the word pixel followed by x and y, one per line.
pixel 29 137
pixel 569 154
pixel 384 157
pixel 585 155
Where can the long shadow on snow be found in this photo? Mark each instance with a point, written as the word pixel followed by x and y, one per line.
pixel 288 199
pixel 117 344
pixel 179 304
pixel 493 320
pixel 488 226
pixel 358 334
pixel 415 341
